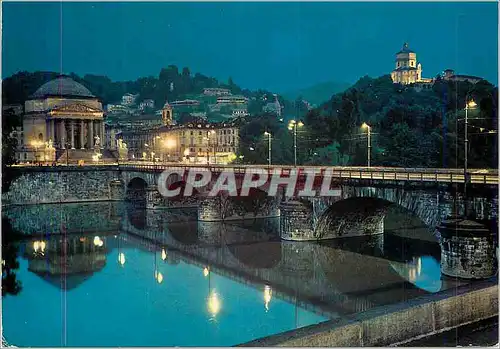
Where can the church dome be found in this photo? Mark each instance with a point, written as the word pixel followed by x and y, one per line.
pixel 63 86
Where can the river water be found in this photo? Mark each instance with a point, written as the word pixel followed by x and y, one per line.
pixel 110 274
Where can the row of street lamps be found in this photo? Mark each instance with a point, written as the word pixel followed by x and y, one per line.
pixel 293 125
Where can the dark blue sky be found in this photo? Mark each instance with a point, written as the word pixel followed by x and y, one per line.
pixel 278 46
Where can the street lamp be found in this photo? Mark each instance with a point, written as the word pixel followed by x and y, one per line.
pixel 469 104
pixel 292 126
pixel 369 130
pixel 268 134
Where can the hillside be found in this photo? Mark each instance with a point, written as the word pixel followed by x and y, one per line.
pixel 318 93
pixel 410 128
pixel 170 84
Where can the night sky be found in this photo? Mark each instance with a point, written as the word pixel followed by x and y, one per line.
pixel 277 46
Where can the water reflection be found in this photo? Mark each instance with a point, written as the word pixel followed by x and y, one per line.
pixel 10 249
pixel 268 292
pixel 66 261
pixel 179 258
pixel 423 272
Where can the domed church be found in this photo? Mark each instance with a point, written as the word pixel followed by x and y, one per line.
pixel 62 121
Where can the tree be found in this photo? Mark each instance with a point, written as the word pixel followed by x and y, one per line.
pixel 9 144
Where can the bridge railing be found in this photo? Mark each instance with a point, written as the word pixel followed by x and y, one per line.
pixel 440 175
pixel 476 176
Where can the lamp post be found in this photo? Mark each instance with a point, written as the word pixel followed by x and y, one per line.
pixel 469 104
pixel 213 133
pixel 268 134
pixel 369 130
pixel 292 126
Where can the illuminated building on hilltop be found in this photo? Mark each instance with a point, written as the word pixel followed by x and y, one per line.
pixel 407 70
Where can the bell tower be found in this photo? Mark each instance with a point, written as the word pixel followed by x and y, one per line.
pixel 167 114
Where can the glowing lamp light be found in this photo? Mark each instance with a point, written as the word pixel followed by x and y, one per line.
pixel 121 258
pixel 163 254
pixel 300 124
pixel 267 133
pixel 170 143
pixel 36 246
pixel 213 304
pixel 98 242
pixel 42 246
pixel 471 104
pixel 205 272
pixel 186 152
pixel 365 125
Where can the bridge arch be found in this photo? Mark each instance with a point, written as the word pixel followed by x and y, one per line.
pixel 137 191
pixel 352 217
pixel 428 205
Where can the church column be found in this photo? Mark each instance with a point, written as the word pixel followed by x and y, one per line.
pixel 91 134
pixel 62 128
pixel 82 131
pixel 52 131
pixel 103 135
pixel 72 134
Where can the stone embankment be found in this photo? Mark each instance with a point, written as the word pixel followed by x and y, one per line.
pixel 398 323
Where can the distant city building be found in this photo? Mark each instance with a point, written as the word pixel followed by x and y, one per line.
pixel 224 100
pixel 408 70
pixel 147 103
pixel 273 107
pixel 196 143
pixel 239 113
pixel 215 91
pixel 118 109
pixel 128 99
pixel 185 103
pixel 17 109
pixel 450 75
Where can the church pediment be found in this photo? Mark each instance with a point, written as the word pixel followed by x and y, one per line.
pixel 74 108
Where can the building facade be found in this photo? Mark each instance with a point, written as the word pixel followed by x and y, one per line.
pixel 407 69
pixel 194 143
pixel 62 114
pixel 128 99
pixel 215 91
pixel 450 75
pixel 225 100
pixel 147 103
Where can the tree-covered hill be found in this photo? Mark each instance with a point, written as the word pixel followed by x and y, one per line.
pixel 410 128
pixel 318 93
pixel 170 84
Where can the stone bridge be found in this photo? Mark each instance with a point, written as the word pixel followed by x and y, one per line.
pixel 357 206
